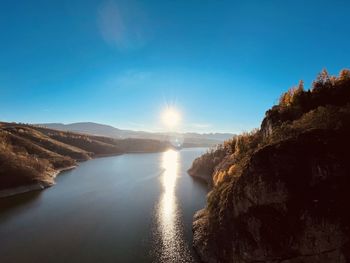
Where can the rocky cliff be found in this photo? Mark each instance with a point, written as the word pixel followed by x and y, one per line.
pixel 281 194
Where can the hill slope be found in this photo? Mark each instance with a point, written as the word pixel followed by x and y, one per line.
pixel 31 156
pixel 279 193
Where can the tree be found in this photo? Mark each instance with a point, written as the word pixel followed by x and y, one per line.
pixel 323 80
pixel 285 99
pixel 344 75
pixel 292 94
pixel 300 86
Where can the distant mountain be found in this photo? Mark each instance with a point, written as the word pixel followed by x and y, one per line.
pixel 211 136
pixel 86 127
pixel 185 139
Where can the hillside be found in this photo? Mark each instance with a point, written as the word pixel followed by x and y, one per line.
pixel 186 139
pixel 279 193
pixel 31 156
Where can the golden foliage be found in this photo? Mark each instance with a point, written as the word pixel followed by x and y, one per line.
pixel 290 96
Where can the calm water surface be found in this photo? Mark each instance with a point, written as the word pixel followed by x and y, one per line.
pixel 128 208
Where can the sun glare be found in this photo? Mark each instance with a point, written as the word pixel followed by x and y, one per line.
pixel 171 117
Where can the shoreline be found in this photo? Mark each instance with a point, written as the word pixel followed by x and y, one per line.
pixel 8 192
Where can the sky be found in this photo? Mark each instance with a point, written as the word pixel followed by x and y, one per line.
pixel 220 64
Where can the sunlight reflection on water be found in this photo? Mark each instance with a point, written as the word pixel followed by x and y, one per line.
pixel 171 245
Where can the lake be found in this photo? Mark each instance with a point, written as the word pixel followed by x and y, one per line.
pixel 127 208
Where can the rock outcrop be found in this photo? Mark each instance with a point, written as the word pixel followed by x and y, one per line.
pixel 281 194
pixel 289 205
pixel 204 166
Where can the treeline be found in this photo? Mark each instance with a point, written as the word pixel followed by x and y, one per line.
pixel 325 90
pixel 276 188
pixel 324 106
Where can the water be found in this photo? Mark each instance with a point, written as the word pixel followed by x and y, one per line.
pixel 127 208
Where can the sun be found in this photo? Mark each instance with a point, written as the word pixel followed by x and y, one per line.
pixel 171 117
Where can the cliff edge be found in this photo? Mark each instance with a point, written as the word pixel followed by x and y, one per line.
pixel 280 192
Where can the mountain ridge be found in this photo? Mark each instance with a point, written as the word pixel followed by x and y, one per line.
pixel 93 128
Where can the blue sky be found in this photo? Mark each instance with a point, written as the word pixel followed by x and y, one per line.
pixel 222 64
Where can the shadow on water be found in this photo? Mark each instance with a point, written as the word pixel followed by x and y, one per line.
pixel 200 181
pixel 24 200
pixel 9 205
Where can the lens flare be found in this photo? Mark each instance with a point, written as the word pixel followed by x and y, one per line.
pixel 171 117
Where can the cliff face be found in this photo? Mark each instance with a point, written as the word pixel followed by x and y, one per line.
pixel 204 166
pixel 289 205
pixel 281 195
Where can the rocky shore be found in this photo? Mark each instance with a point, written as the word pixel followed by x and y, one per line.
pixel 287 206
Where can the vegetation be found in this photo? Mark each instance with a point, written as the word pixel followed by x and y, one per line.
pixel 325 106
pixel 31 154
pixel 203 167
pixel 304 124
